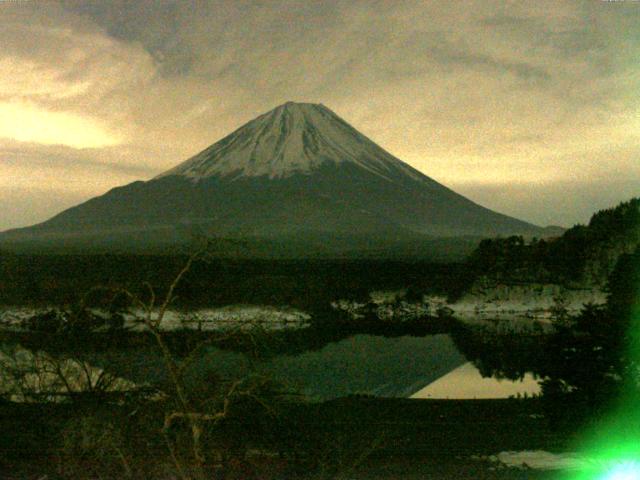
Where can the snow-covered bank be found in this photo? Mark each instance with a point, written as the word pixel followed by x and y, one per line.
pixel 540 460
pixel 230 317
pixel 539 301
pixel 209 319
pixel 497 302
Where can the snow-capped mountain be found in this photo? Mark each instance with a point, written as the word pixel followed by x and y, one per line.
pixel 294 138
pixel 298 171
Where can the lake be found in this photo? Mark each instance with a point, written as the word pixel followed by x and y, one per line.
pixel 429 366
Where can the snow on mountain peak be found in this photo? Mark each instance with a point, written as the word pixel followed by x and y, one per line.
pixel 292 138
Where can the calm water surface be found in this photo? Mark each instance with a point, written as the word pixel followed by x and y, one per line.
pixel 431 366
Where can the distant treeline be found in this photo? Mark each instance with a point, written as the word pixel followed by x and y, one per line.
pixel 308 284
pixel 584 254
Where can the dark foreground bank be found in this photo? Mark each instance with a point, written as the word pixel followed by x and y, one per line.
pixel 355 437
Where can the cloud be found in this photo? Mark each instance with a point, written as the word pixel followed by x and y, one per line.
pixel 60 168
pixel 27 122
pixel 563 203
pixel 65 82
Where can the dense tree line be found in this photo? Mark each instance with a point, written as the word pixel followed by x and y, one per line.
pixel 597 354
pixel 589 362
pixel 306 284
pixel 564 259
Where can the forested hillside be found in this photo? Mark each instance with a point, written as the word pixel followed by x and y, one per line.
pixel 584 255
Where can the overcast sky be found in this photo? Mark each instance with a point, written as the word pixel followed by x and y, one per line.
pixel 529 108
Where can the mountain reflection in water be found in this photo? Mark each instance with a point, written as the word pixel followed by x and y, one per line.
pixel 429 366
pixel 466 382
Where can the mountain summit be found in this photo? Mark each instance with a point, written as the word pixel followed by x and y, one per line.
pixel 296 172
pixel 294 138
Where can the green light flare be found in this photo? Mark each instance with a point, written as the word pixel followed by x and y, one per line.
pixel 616 468
pixel 629 470
pixel 612 443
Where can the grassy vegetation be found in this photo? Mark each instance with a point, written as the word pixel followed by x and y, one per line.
pixel 300 441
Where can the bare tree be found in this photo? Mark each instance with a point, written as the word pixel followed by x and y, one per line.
pixel 186 410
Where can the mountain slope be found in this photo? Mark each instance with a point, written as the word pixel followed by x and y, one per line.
pixel 296 170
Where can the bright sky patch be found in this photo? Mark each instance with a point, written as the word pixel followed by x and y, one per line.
pixel 27 122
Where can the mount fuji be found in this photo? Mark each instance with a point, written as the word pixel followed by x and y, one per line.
pixel 297 172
